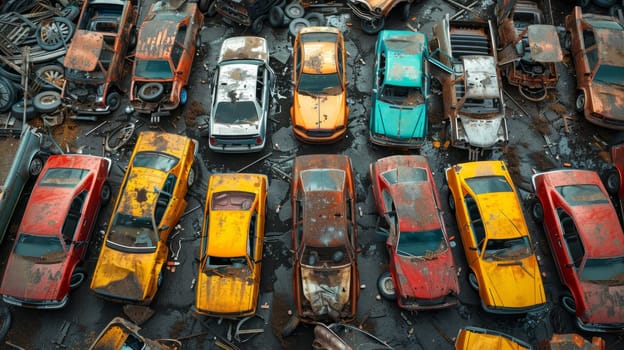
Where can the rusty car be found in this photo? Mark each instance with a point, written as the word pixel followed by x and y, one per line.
pixel 241 96
pixel 167 41
pixel 486 339
pixel 324 240
pixel 595 43
pixel 422 272
pixel 587 243
pixel 529 50
pixel 571 341
pixel 249 13
pixel 121 334
pixel 474 108
pixel 373 13
pixel 230 253
pixel 319 110
pixel 150 203
pixel 612 178
pixel 55 231
pixel 94 62
pixel 495 237
pixel 342 336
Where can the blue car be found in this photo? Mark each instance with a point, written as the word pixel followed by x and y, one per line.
pixel 400 88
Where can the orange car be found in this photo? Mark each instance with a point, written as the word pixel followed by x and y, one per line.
pixel 319 112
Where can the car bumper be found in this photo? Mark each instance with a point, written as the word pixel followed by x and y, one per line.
pixel 36 304
pixel 423 305
pixel 512 310
pixel 380 140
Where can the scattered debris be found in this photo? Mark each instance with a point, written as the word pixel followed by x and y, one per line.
pixel 138 313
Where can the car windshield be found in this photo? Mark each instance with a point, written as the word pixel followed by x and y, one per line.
pixel 43 249
pixel 423 243
pixel 610 74
pixel 225 265
pixel 63 177
pixel 480 106
pixel 324 256
pixel 401 95
pixel 232 200
pixel 153 160
pixel 317 84
pixel 94 76
pixel 153 69
pixel 582 194
pixel 488 184
pixel 507 249
pixel 322 179
pixel 405 174
pixel 609 270
pixel 241 112
pixel 133 232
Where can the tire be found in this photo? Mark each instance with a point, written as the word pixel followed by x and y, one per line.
pixel 204 5
pixel 405 11
pixel 183 96
pixel 374 26
pixel 579 103
pixel 612 180
pixel 212 9
pixel 258 25
pixel 385 286
pixel 537 211
pixel 35 166
pixel 315 18
pixel 132 43
pixel 10 74
pixel 77 278
pixel 7 94
pixel 5 321
pixel 70 12
pixel 276 16
pixel 105 194
pixel 613 10
pixel 113 100
pixel 151 92
pixel 192 176
pixel 294 10
pixel 55 34
pixel 118 137
pixel 290 326
pixel 281 3
pixel 472 280
pixel 18 110
pixel 296 25
pixel 51 75
pixel 47 101
pixel 451 202
pixel 568 303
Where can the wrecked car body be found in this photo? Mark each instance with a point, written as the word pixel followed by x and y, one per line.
pixel 530 49
pixel 373 13
pixel 341 336
pixel 469 338
pixel 248 13
pixel 121 334
pixel 94 62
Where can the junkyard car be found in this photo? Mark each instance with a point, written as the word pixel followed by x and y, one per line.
pixel 249 13
pixel 400 88
pixel 472 91
pixel 587 243
pixel 345 336
pixel 231 246
pixel 149 205
pixel 324 239
pixel 167 41
pixel 319 112
pixel 95 59
pixel 373 13
pixel 21 160
pixel 422 271
pixel 55 231
pixel 572 341
pixel 495 237
pixel 241 95
pixel 595 43
pixel 530 48
pixel 121 334
pixel 470 338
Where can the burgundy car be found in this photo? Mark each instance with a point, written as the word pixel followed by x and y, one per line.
pixel 54 234
pixel 587 244
pixel 422 271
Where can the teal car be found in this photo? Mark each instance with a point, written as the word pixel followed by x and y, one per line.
pixel 400 88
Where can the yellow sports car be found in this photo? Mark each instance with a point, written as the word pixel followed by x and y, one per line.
pixel 231 247
pixel 149 205
pixel 501 260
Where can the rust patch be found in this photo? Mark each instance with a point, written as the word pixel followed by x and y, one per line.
pixel 540 125
pixel 141 195
pixel 193 110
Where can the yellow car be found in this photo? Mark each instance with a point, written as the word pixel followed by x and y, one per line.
pixel 149 205
pixel 501 260
pixel 484 339
pixel 319 112
pixel 231 247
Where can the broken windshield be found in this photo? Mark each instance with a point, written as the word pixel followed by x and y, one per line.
pixel 401 95
pixel 133 232
pixel 507 249
pixel 153 69
pixel 44 249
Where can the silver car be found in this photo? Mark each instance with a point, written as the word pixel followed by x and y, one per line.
pixel 241 94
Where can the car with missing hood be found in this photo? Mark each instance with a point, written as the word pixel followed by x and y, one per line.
pixel 495 237
pixel 232 240
pixel 150 203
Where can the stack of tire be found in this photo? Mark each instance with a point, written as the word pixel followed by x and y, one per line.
pixel 293 15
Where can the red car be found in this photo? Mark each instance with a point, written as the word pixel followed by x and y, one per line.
pixel 613 177
pixel 587 243
pixel 422 271
pixel 54 234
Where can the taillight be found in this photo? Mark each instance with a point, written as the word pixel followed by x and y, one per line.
pixel 213 140
pixel 259 140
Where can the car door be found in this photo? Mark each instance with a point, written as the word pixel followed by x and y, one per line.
pixel 572 250
pixel 474 230
pixel 76 226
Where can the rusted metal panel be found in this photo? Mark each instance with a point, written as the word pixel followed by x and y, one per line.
pixel 244 48
pixel 544 43
pixel 84 51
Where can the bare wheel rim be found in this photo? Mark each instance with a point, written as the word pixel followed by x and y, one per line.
pixel 53 75
pixel 56 32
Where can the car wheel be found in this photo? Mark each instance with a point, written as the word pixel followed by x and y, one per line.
pixel 35 166
pixel 373 26
pixel 10 74
pixel 47 101
pixel 151 92
pixel 18 109
pixel 70 12
pixel 613 10
pixel 580 102
pixel 78 276
pixel 113 100
pixel 7 94
pixel 212 9
pixel 385 286
pixel 52 75
pixel 472 280
pixel 5 320
pixel 183 96
pixel 276 16
pixel 53 34
pixel 290 326
pixel 118 137
pixel 568 303
pixel 105 193
pixel 296 25
pixel 451 202
pixel 204 5
pixel 294 10
pixel 405 11
pixel 258 25
pixel 537 210
pixel 612 181
pixel 132 42
pixel 315 18
pixel 192 176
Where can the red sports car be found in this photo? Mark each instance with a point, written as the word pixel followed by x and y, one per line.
pixel 54 234
pixel 422 271
pixel 587 243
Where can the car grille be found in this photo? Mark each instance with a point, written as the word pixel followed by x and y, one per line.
pixel 319 132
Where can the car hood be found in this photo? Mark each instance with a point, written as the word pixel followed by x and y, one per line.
pixel 402 122
pixel 426 278
pixel 234 129
pixel 233 292
pixel 481 132
pixel 501 281
pixel 327 290
pixel 603 303
pixel 26 279
pixel 608 100
pixel 320 112
pixel 125 275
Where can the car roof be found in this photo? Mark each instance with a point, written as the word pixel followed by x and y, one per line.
pixel 324 219
pixel 319 55
pixel 404 51
pixel 237 82
pixel 415 206
pixel 321 161
pixel 244 48
pixel 156 39
pixel 168 143
pixel 609 42
pixel 138 197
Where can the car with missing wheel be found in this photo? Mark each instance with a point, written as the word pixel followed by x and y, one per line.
pixel 53 237
pixel 241 96
pixel 319 110
pixel 230 253
pixel 595 43
pixel 373 13
pixel 94 62
pixel 495 237
pixel 150 203
pixel 167 41
pixel 423 274
pixel 587 244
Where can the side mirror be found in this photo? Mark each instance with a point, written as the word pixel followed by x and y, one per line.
pixel 569 265
pixel 163 228
pixel 473 248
